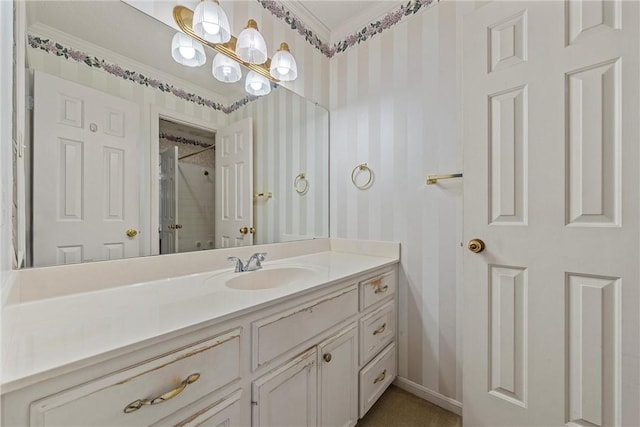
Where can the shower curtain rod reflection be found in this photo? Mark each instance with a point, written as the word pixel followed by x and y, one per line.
pixel 197 152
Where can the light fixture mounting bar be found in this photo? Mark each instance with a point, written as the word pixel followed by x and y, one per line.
pixel 184 18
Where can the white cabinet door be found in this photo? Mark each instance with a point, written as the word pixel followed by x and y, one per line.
pixel 338 381
pixel 287 396
pixel 551 185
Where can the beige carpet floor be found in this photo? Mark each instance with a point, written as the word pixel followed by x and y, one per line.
pixel 397 408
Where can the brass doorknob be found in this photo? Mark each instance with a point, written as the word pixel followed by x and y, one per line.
pixel 252 230
pixel 476 245
pixel 244 230
pixel 132 233
pixel 327 357
pixel 178 226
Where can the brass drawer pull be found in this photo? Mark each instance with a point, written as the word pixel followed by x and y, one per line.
pixel 380 377
pixel 380 329
pixel 134 406
pixel 381 289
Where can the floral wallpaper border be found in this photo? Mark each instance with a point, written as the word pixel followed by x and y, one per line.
pixel 183 140
pixel 370 30
pixel 58 49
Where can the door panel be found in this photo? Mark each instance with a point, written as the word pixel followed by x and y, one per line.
pixel 551 186
pixel 338 380
pixel 234 185
pixel 85 180
pixel 287 396
pixel 169 201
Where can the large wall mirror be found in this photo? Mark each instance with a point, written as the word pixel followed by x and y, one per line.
pixel 128 153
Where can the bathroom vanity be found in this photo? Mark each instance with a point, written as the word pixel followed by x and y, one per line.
pixel 306 340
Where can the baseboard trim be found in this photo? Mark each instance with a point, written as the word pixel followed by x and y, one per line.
pixel 429 395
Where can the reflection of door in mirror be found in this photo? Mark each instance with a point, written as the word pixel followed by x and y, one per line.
pixel 85 180
pixel 234 185
pixel 169 201
pixel 186 196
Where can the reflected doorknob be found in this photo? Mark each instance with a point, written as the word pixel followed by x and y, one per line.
pixel 476 245
pixel 244 230
pixel 252 230
pixel 132 233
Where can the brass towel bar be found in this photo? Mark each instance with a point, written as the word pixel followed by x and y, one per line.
pixel 433 179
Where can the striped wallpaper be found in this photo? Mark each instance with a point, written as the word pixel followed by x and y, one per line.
pixel 297 144
pixel 395 104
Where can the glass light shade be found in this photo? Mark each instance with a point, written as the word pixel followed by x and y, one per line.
pixel 283 65
pixel 210 22
pixel 250 46
pixel 226 69
pixel 257 85
pixel 187 51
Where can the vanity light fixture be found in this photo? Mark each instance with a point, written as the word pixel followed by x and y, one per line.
pixel 211 23
pixel 250 46
pixel 256 84
pixel 187 51
pixel 249 49
pixel 283 65
pixel 226 69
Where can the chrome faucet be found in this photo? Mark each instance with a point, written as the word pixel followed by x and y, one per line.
pixel 256 258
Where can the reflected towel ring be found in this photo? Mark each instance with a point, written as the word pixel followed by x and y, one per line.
pixel 301 179
pixel 354 175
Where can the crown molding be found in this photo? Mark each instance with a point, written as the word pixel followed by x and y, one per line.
pixel 368 15
pixel 298 8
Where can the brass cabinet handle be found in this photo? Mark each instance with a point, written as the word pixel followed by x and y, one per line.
pixel 381 289
pixel 380 329
pixel 476 246
pixel 137 404
pixel 380 377
pixel 244 230
pixel 327 357
pixel 132 233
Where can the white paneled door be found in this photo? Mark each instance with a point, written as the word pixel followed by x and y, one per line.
pixel 550 93
pixel 234 185
pixel 169 201
pixel 85 174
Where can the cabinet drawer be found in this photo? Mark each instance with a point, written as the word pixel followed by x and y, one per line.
pixel 377 330
pixel 376 377
pixel 180 377
pixel 214 413
pixel 281 332
pixel 377 288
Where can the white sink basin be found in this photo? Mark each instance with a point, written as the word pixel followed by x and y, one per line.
pixel 269 277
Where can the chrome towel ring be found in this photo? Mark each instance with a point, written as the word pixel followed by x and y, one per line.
pixel 301 184
pixel 362 167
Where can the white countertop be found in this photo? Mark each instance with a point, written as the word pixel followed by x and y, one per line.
pixel 42 335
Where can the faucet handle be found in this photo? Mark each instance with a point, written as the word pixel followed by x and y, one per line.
pixel 239 264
